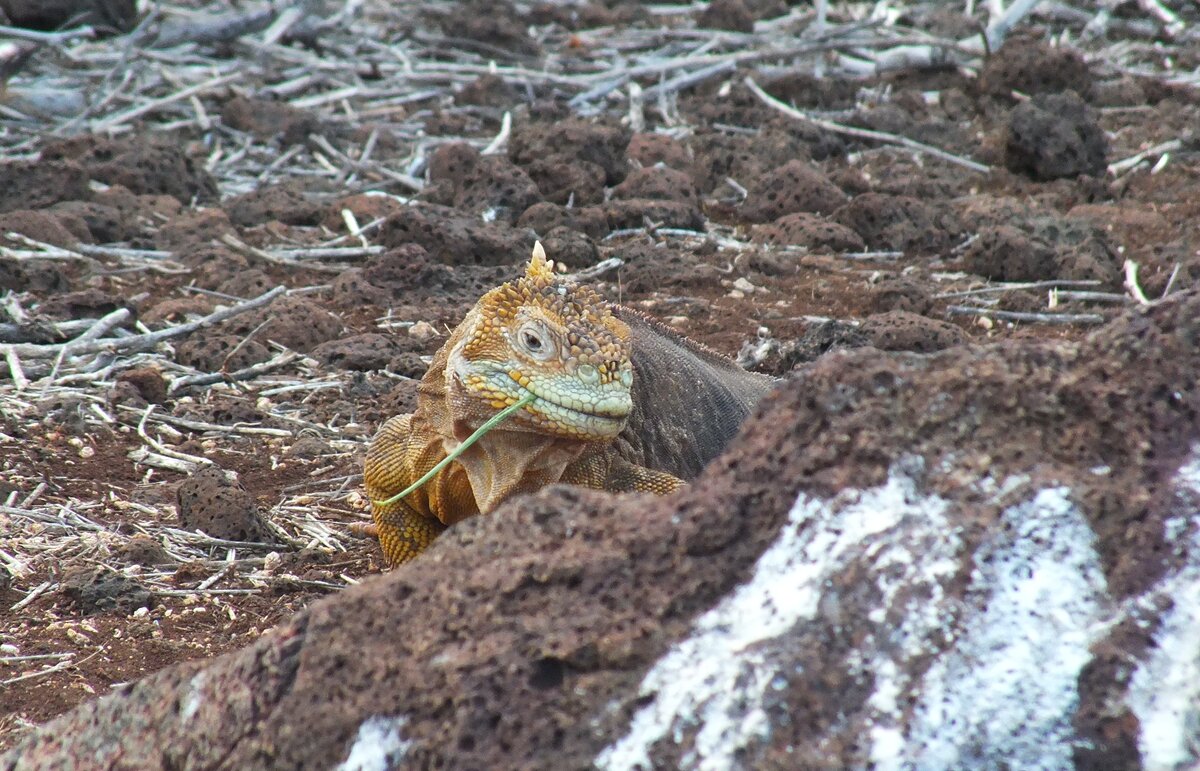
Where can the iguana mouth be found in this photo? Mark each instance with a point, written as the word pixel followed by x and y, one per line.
pixel 572 412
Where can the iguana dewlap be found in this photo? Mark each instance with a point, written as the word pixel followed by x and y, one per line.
pixel 623 404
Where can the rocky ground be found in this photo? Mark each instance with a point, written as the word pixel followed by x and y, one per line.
pixel 232 241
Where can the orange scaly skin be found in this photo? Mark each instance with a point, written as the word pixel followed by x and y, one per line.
pixel 536 334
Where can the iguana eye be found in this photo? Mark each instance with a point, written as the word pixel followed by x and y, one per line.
pixel 535 341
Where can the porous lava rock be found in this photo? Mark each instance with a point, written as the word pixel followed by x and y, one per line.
pixel 215 503
pixel 95 589
pixel 1032 67
pixel 295 322
pixel 899 223
pixel 810 231
pixel 573 139
pixel 221 353
pixel 794 187
pixel 358 352
pixel 270 120
pixel 454 238
pixel 659 183
pixel 38 225
pixel 565 181
pixel 35 185
pixel 650 149
pixel 1054 136
pixel 732 15
pixel 907 331
pixel 490 185
pixel 277 203
pixel 106 16
pixel 144 166
pixel 938 560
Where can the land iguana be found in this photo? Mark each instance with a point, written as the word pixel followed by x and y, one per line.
pixel 622 404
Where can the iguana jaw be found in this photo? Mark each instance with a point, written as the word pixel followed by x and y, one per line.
pixel 565 405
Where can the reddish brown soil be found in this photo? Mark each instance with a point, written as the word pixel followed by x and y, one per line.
pixel 1049 211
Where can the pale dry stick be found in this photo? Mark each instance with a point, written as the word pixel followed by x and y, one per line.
pixel 14 367
pixel 1048 284
pixel 144 457
pixel 233 241
pixel 34 593
pixel 136 343
pixel 412 183
pixel 246 373
pixel 1097 297
pixel 1132 285
pixel 48 38
pixel 1174 25
pixel 637 112
pixel 162 449
pixel 66 662
pixel 200 425
pixel 330 252
pixel 1037 318
pixel 1117 168
pixel 500 142
pixel 111 122
pixel 861 133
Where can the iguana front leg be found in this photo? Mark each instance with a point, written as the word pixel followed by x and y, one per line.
pixel 395 459
pixel 604 469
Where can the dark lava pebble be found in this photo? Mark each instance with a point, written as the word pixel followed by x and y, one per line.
pixel 144 166
pixel 904 331
pixel 268 120
pixel 282 203
pixel 454 238
pixel 1031 67
pixel 574 139
pixel 149 382
pixel 659 183
pixel 899 223
pixel 794 187
pixel 1053 136
pixel 96 589
pixel 900 293
pixel 368 351
pixel 732 15
pixel 810 231
pixel 35 185
pixel 210 502
pixel 142 549
pixel 221 353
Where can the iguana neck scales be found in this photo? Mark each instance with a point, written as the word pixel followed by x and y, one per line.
pixel 622 404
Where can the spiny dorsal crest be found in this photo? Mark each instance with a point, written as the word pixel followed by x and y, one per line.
pixel 540 270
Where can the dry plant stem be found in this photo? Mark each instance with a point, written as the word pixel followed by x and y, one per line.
pixel 1049 284
pixel 1034 318
pixel 246 373
pixel 85 344
pixel 1131 284
pixel 861 133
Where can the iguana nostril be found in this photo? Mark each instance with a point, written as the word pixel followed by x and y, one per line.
pixel 588 374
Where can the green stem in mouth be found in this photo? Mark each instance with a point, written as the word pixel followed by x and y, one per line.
pixel 491 423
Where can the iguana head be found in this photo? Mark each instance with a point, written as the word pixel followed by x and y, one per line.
pixel 559 342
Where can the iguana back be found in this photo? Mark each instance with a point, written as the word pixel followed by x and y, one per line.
pixel 688 400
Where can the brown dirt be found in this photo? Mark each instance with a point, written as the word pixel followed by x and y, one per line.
pixel 768 273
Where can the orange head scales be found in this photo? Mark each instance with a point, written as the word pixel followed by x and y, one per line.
pixel 560 342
